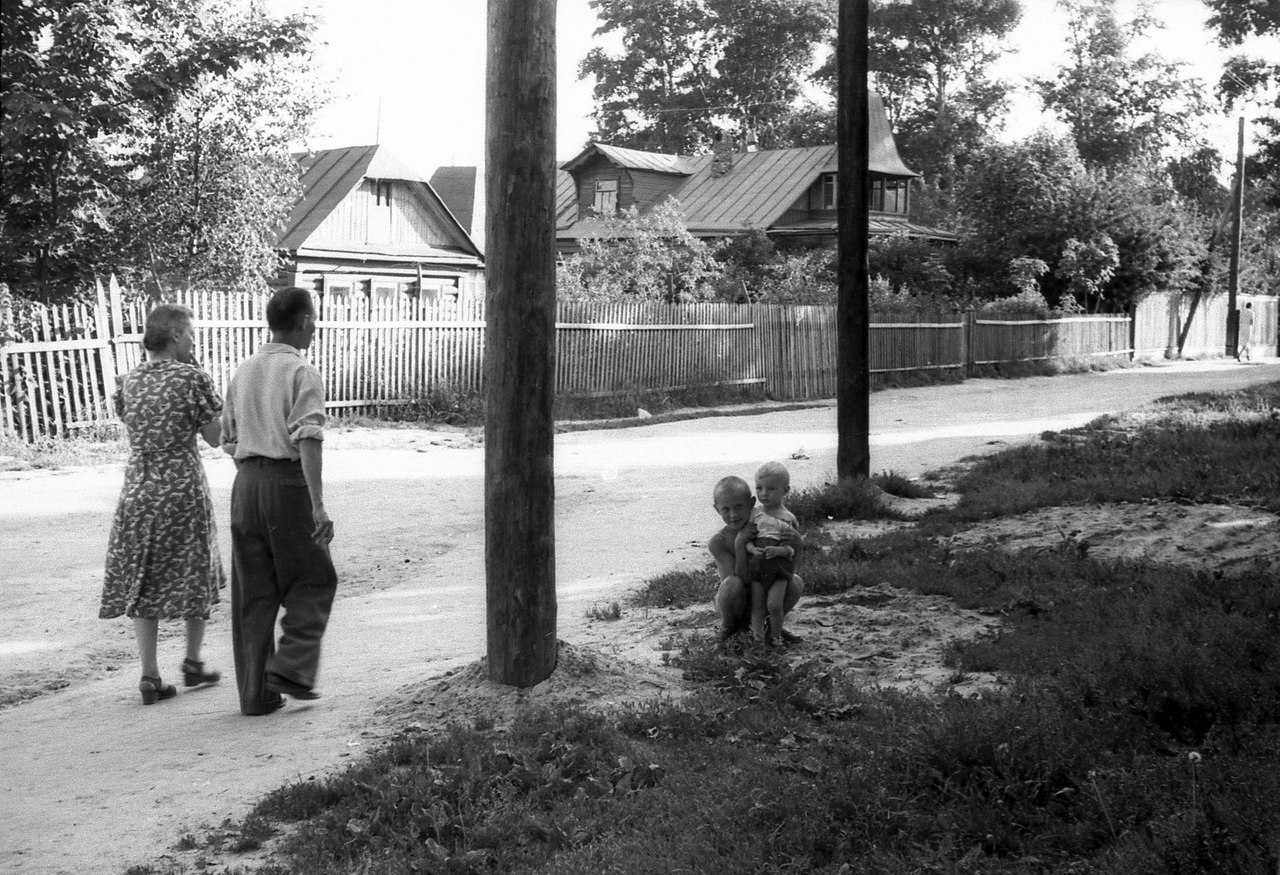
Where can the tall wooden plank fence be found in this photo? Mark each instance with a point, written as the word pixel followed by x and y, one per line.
pixel 58 365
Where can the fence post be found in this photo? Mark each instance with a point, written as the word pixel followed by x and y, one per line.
pixel 8 395
pixel 970 326
pixel 106 333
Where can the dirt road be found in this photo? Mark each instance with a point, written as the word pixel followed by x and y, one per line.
pixel 92 782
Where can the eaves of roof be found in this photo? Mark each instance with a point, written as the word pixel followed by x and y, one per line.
pixel 399 253
pixel 878 224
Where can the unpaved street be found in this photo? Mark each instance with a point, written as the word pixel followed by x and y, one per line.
pixel 93 782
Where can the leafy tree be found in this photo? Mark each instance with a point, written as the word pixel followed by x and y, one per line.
pixel 929 61
pixel 1029 200
pixel 687 64
pixel 1088 267
pixel 910 265
pixel 650 257
pixel 1120 108
pixel 216 177
pixel 83 83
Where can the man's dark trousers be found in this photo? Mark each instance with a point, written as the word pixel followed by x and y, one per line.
pixel 276 564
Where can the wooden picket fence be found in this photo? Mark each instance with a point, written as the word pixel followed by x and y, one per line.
pixel 59 364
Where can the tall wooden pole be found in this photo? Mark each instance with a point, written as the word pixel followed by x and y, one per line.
pixel 1233 276
pixel 519 366
pixel 853 315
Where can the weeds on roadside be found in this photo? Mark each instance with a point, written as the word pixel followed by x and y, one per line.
pixel 104 447
pixel 1197 448
pixel 677 589
pixel 857 498
pixel 893 483
pixel 611 611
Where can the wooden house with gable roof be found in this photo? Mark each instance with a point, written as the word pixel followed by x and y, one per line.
pixel 369 224
pixel 789 194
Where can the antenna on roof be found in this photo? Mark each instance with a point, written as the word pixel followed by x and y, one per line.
pixel 377 127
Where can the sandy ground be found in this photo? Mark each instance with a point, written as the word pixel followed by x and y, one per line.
pixel 92 782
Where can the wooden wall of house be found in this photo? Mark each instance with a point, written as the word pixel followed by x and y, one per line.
pixel 359 220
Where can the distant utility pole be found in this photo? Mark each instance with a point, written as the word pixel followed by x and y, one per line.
pixel 519 366
pixel 853 312
pixel 1233 276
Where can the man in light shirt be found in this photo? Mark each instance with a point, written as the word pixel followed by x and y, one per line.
pixel 273 425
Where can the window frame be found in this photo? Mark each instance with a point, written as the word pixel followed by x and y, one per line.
pixel 601 206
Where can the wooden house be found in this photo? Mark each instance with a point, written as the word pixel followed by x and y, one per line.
pixel 790 194
pixel 369 224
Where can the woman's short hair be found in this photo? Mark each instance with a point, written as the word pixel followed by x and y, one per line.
pixel 164 324
pixel 287 307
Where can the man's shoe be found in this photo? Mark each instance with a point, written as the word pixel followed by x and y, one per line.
pixel 285 687
pixel 261 710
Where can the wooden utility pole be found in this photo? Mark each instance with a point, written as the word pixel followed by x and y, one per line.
pixel 1233 277
pixel 853 313
pixel 519 362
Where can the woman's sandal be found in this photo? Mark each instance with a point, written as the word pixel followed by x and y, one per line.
pixel 193 674
pixel 154 689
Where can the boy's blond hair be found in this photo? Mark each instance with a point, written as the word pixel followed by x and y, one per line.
pixel 731 483
pixel 774 469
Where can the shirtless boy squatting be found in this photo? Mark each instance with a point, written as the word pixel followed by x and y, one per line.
pixel 733 501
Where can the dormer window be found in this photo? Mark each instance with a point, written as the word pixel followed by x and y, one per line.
pixel 383 193
pixel 889 195
pixel 606 199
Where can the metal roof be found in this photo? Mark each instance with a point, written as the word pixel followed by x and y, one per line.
pixel 456 186
pixel 633 159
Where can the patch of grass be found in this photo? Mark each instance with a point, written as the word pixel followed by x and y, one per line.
pixel 894 483
pixel 105 447
pixel 444 406
pixel 611 611
pixel 625 404
pixel 855 498
pixel 1054 367
pixel 1197 448
pixel 463 799
pixel 677 589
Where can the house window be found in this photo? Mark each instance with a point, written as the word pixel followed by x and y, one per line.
pixel 382 193
pixel 606 201
pixel 895 196
pixel 827 192
pixel 338 287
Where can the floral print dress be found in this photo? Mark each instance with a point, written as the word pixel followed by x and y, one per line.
pixel 162 557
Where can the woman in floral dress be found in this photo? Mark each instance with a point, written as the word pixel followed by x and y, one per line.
pixel 162 558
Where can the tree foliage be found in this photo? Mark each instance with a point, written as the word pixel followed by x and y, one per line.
pixel 650 257
pixel 1120 107
pixel 97 95
pixel 689 65
pixel 929 61
pixel 1109 236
